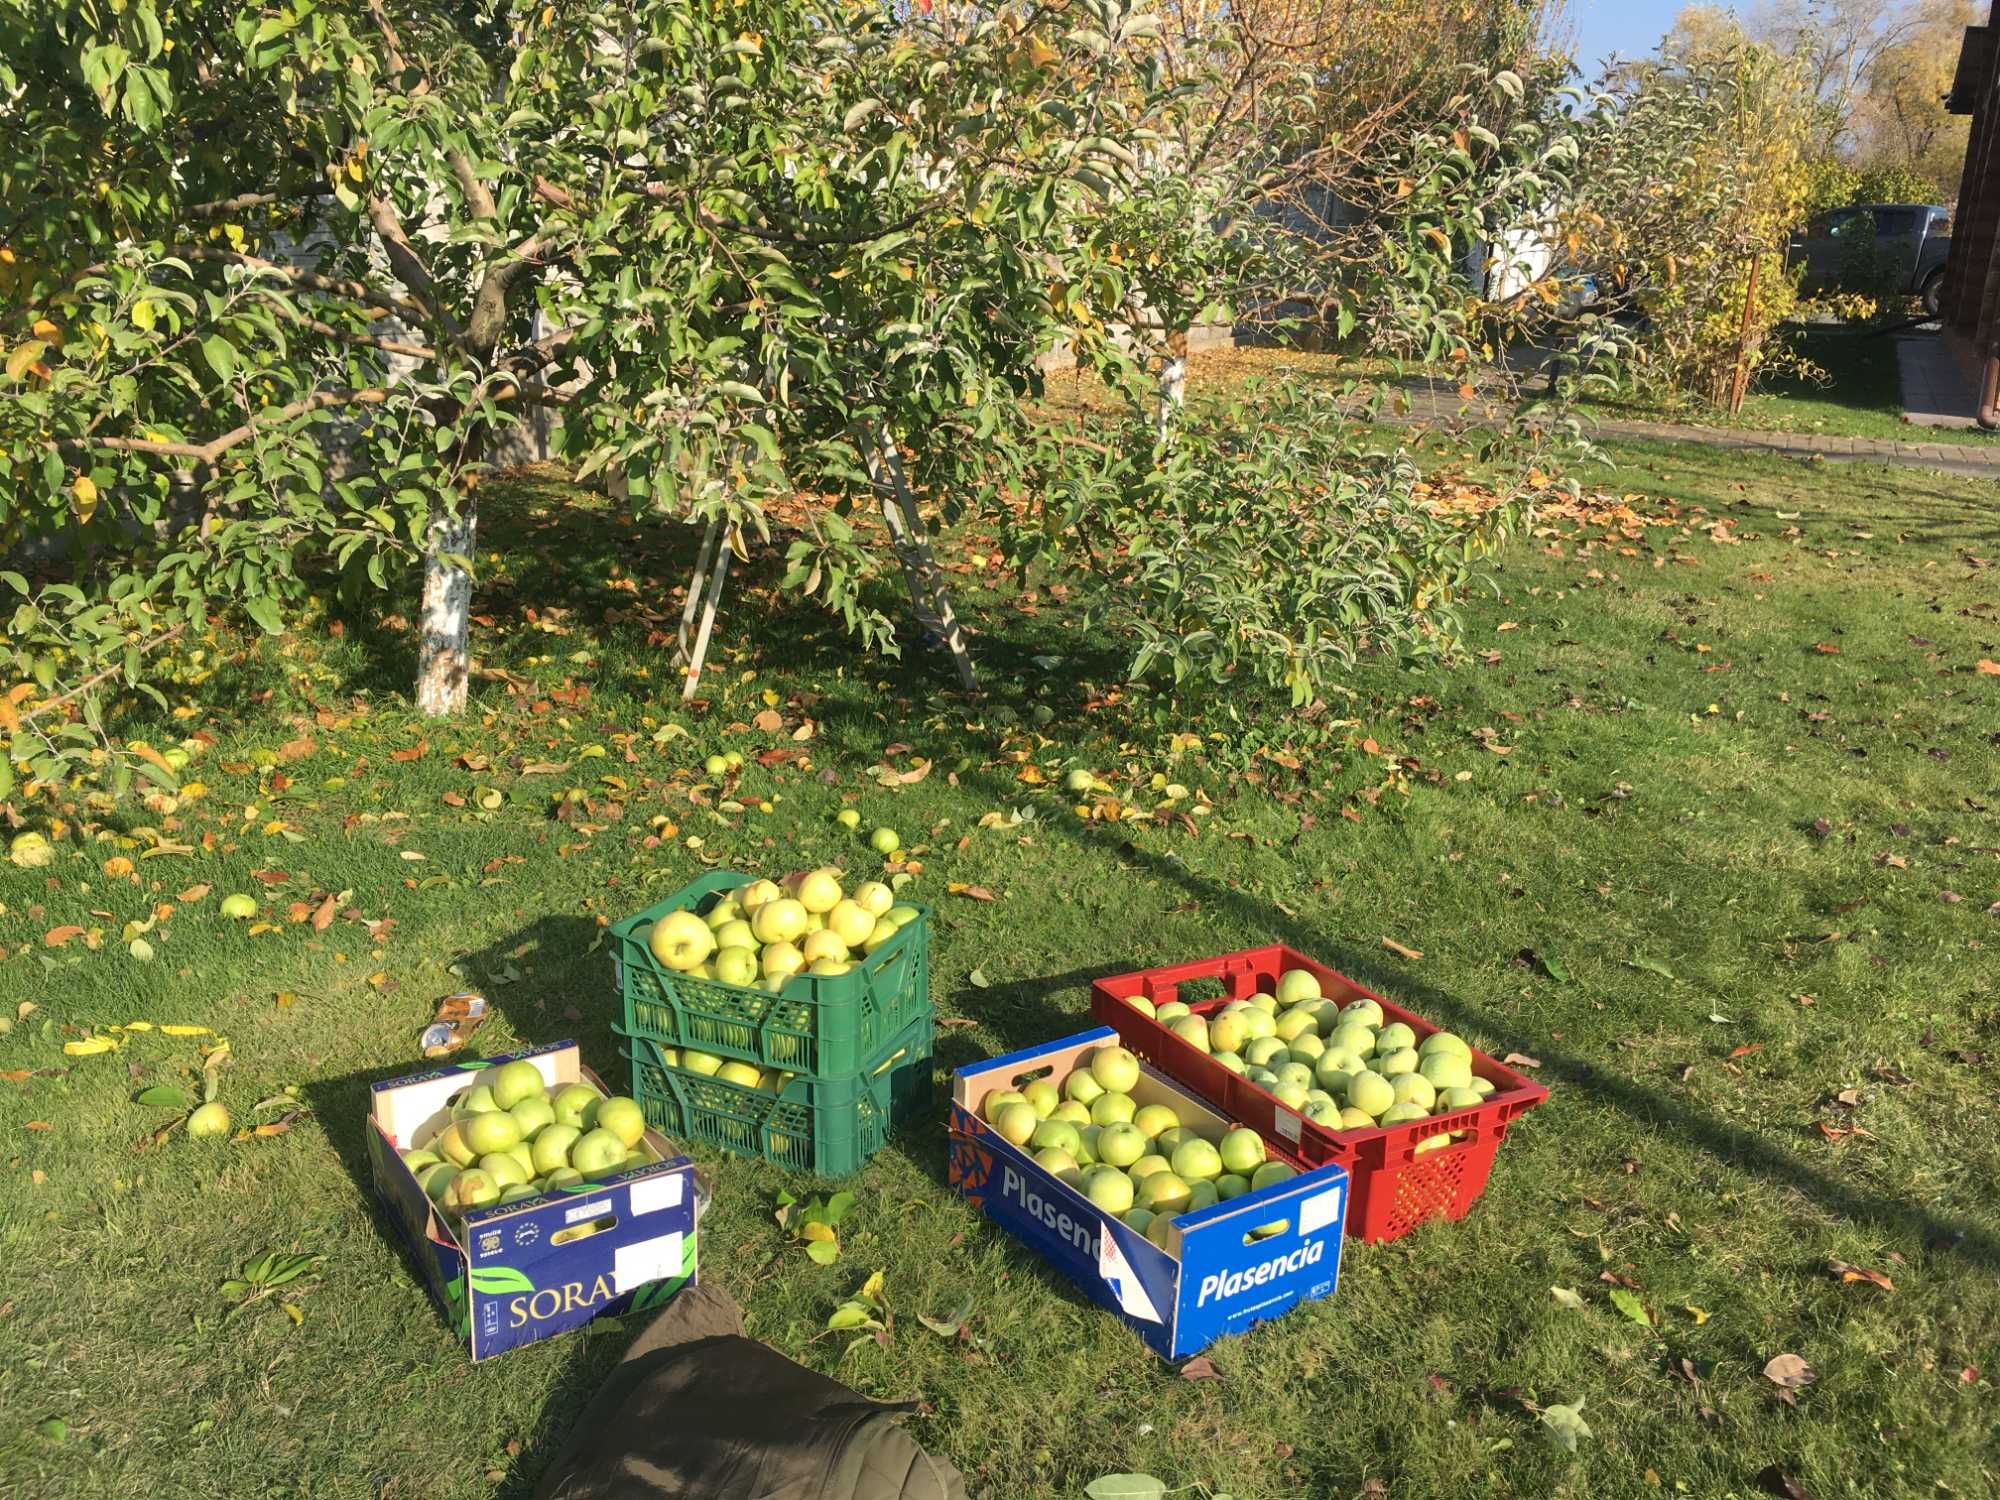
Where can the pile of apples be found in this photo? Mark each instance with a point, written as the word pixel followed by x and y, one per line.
pixel 763 933
pixel 1341 1066
pixel 511 1139
pixel 1135 1161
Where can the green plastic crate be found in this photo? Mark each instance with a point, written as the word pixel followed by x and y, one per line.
pixel 826 1027
pixel 829 1126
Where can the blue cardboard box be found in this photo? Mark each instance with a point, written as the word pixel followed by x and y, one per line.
pixel 1214 1278
pixel 526 1271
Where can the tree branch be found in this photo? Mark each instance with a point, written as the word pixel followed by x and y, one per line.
pixel 221 206
pixel 29 715
pixel 209 452
pixel 408 266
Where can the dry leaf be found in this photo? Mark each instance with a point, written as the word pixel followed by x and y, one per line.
pixel 1201 1367
pixel 192 893
pixel 1521 1060
pixel 322 917
pixel 1987 668
pixel 1400 951
pixel 804 732
pixel 970 892
pixel 56 937
pixel 416 752
pixel 1789 1373
pixel 1841 1271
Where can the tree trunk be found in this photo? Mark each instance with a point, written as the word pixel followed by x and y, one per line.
pixel 929 594
pixel 444 653
pixel 711 600
pixel 1173 385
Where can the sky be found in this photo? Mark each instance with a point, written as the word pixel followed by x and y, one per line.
pixel 1631 28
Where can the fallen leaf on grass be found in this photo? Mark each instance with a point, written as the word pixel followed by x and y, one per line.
pixel 1521 1060
pixel 322 917
pixel 1842 1272
pixel 1776 1481
pixel 1987 668
pixel 192 893
pixel 977 979
pixel 1629 1304
pixel 1746 1049
pixel 56 937
pixel 1650 965
pixel 1400 951
pixel 38 1125
pixel 1125 1487
pixel 1789 1373
pixel 1201 1367
pixel 416 752
pixel 1566 1424
pixel 970 892
pixel 1567 1297
pixel 770 721
pixel 1699 1315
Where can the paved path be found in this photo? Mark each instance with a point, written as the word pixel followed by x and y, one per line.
pixel 1977 460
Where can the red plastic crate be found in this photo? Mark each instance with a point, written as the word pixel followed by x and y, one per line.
pixel 1392 1188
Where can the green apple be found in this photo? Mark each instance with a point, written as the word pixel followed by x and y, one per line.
pixel 1171 1012
pixel 504 1169
pixel 452 1145
pixel 1137 1219
pixel 1356 1119
pixel 471 1189
pixel 1231 1185
pixel 1258 1022
pixel 1043 1095
pixel 532 1114
pixel 1264 1051
pixel 1370 1093
pixel 1402 1060
pixel 744 1075
pixel 735 933
pixel 1059 1163
pixel 1366 1012
pixel 680 940
pixel 902 916
pixel 1264 1078
pixel 208 1121
pixel 1414 1088
pixel 1109 1188
pixel 1017 1122
pixel 874 898
pixel 1154 1118
pixel 755 894
pixel 847 817
pixel 1115 1069
pixel 782 960
pixel 885 841
pixel 1057 1134
pixel 1147 1165
pixel 1228 1031
pixel 1447 1070
pixel 823 946
pixel 1307 1047
pixel 550 1148
pixel 1202 1194
pixel 623 1118
pixel 1163 1193
pixel 1332 1078
pixel 1267 1003
pixel 1196 1160
pixel 577 1102
pixel 721 915
pixel 494 1131
pixel 596 1153
pixel 1112 1109
pixel 1120 1145
pixel 1295 985
pixel 1083 1087
pixel 1352 1036
pixel 1297 1073
pixel 1228 1060
pixel 1142 1005
pixel 416 1161
pixel 1086 1156
pixel 819 891
pixel 882 932
pixel 239 907
pixel 1193 1030
pixel 519 1192
pixel 1295 1023
pixel 436 1179
pixel 1290 1091
pixel 736 965
pixel 1394 1037
pixel 1456 1098
pixel 998 1100
pixel 827 968
pixel 560 1178
pixel 1169 1140
pixel 734 758
pixel 475 1101
pixel 716 765
pixel 1241 1151
pixel 1071 1111
pixel 779 921
pixel 1482 1086
pixel 1078 782
pixel 1161 1231
pixel 850 922
pixel 1270 1173
pixel 1321 1110
pixel 1398 1114
pixel 1444 1041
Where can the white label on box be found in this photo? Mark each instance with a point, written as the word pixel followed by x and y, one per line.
pixel 652 1193
pixel 1320 1210
pixel 1288 1125
pixel 584 1211
pixel 649 1260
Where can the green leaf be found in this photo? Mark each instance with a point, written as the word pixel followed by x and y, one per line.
pixel 55 1429
pixel 1125 1487
pixel 220 354
pixel 977 979
pixel 1567 1297
pixel 1650 965
pixel 823 1252
pixel 836 1208
pixel 164 1096
pixel 1566 1424
pixel 1555 968
pixel 264 610
pixel 857 113
pixel 851 1315
pixel 1629 1304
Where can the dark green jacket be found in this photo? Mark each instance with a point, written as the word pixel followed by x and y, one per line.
pixel 697 1410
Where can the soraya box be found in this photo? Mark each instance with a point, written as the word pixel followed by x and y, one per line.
pixel 527 1271
pixel 1214 1277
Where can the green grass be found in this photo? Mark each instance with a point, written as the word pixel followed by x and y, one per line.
pixel 1691 784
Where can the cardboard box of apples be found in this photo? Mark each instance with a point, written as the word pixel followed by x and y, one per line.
pixel 1328 1071
pixel 532 1199
pixel 1162 1209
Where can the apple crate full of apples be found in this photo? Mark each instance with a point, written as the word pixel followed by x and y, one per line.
pixel 1328 1072
pixel 807 980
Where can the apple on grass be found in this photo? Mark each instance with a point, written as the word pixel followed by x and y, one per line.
pixel 207 1121
pixel 680 940
pixel 885 841
pixel 848 818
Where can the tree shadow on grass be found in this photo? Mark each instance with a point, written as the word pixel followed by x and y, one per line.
pixel 1741 1149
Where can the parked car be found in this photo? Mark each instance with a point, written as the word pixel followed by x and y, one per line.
pixel 1899 248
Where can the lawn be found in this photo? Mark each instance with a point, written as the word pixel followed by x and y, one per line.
pixel 1709 826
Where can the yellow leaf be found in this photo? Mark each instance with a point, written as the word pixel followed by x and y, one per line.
pixel 818 1231
pixel 1696 1313
pixel 184 1031
pixel 90 1047
pixel 293 1313
pixel 138 1025
pixel 871 1289
pixel 85 492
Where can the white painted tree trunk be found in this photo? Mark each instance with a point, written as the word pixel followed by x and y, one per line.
pixel 710 602
pixel 1173 392
pixel 911 540
pixel 693 605
pixel 444 649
